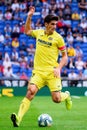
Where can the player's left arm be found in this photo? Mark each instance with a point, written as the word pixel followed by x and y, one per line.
pixel 62 48
pixel 62 63
pixel 64 59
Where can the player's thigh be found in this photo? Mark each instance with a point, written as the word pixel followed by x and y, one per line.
pixel 38 80
pixel 54 84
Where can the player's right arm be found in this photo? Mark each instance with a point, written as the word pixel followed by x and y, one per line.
pixel 28 28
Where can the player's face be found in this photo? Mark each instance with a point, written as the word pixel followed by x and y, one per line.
pixel 50 27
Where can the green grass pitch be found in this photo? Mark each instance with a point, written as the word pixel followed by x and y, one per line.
pixel 75 119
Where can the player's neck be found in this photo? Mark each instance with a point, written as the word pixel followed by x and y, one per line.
pixel 47 32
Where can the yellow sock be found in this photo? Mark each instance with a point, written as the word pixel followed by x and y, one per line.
pixel 24 106
pixel 64 96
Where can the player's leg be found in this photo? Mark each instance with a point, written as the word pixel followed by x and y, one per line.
pixel 36 83
pixel 24 106
pixel 62 96
pixel 58 96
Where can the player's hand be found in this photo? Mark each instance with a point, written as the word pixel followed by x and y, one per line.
pixel 31 11
pixel 57 72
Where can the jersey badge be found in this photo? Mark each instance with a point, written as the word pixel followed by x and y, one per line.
pixel 50 38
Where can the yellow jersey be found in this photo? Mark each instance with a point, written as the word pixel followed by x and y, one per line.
pixel 47 50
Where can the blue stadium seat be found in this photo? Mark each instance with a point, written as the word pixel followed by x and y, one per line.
pixel 1 45
pixel 74 1
pixel 8 50
pixel 30 41
pixel 8 22
pixel 76 43
pixel 29 72
pixel 1 49
pixel 23 15
pixel 74 23
pixel 36 17
pixel 38 9
pixel 15 68
pixel 23 70
pixel 84 49
pixel 22 36
pixel 74 4
pixel 22 40
pixel 75 9
pixel 2 8
pixel 1 74
pixel 2 22
pixel 1 26
pixel 14 22
pixel 84 45
pixel 85 57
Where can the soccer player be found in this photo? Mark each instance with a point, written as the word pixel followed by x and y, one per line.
pixel 46 68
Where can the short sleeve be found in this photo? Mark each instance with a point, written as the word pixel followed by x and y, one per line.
pixel 61 44
pixel 34 33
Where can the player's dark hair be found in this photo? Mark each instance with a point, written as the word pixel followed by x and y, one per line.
pixel 49 18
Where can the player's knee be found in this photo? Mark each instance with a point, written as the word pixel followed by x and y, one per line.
pixel 31 93
pixel 56 99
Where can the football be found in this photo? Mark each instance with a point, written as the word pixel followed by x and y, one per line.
pixel 45 120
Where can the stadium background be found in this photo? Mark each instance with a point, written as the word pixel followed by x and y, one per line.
pixel 16 63
pixel 17 49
